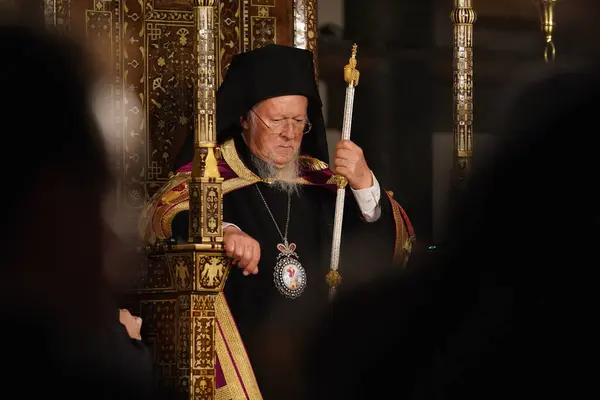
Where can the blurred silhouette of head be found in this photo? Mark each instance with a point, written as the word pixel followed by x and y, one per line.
pixel 55 170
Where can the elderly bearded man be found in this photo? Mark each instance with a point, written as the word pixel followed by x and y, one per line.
pixel 279 198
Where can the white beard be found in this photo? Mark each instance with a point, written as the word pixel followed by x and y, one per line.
pixel 284 179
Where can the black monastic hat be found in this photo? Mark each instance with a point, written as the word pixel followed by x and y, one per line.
pixel 261 74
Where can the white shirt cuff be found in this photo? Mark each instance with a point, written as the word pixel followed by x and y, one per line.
pixel 368 201
pixel 227 224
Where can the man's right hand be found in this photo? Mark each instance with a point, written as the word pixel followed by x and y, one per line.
pixel 244 250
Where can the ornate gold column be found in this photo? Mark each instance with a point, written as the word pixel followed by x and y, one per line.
pixel 205 251
pixel 463 17
pixel 180 308
pixel 205 185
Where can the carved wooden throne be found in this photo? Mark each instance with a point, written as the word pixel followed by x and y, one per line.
pixel 148 49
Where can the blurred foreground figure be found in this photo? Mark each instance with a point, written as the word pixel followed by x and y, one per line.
pixel 504 312
pixel 61 332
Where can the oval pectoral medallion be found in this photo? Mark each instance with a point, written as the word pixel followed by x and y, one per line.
pixel 290 277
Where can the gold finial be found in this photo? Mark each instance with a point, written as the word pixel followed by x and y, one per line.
pixel 351 74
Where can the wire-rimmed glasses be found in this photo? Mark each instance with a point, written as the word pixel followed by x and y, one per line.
pixel 277 127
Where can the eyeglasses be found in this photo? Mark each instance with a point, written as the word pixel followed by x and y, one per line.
pixel 277 127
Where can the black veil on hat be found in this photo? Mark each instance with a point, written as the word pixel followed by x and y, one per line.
pixel 261 74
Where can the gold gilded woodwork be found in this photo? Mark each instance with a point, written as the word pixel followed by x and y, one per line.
pixel 212 271
pixel 201 272
pixel 182 267
pixel 172 4
pixel 305 26
pixel 162 331
pixel 57 13
pixel 158 275
pixel 203 366
pixel 212 266
pixel 170 107
pixel 154 92
pixel 206 195
pixel 301 24
pixel 463 17
pixel 262 25
pixel 206 86
pixel 311 25
pixel 148 47
pixel 231 33
pixel 182 325
pixel 212 217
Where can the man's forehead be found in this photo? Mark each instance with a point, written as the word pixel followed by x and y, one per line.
pixel 292 102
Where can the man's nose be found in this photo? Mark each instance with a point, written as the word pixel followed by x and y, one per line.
pixel 288 131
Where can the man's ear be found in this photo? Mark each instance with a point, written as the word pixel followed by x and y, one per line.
pixel 244 123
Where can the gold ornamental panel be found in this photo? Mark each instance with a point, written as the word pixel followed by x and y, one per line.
pixel 172 327
pixel 184 268
pixel 148 49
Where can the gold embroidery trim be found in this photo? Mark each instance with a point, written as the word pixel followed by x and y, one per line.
pixel 312 164
pixel 223 393
pixel 233 388
pixel 232 158
pixel 236 347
